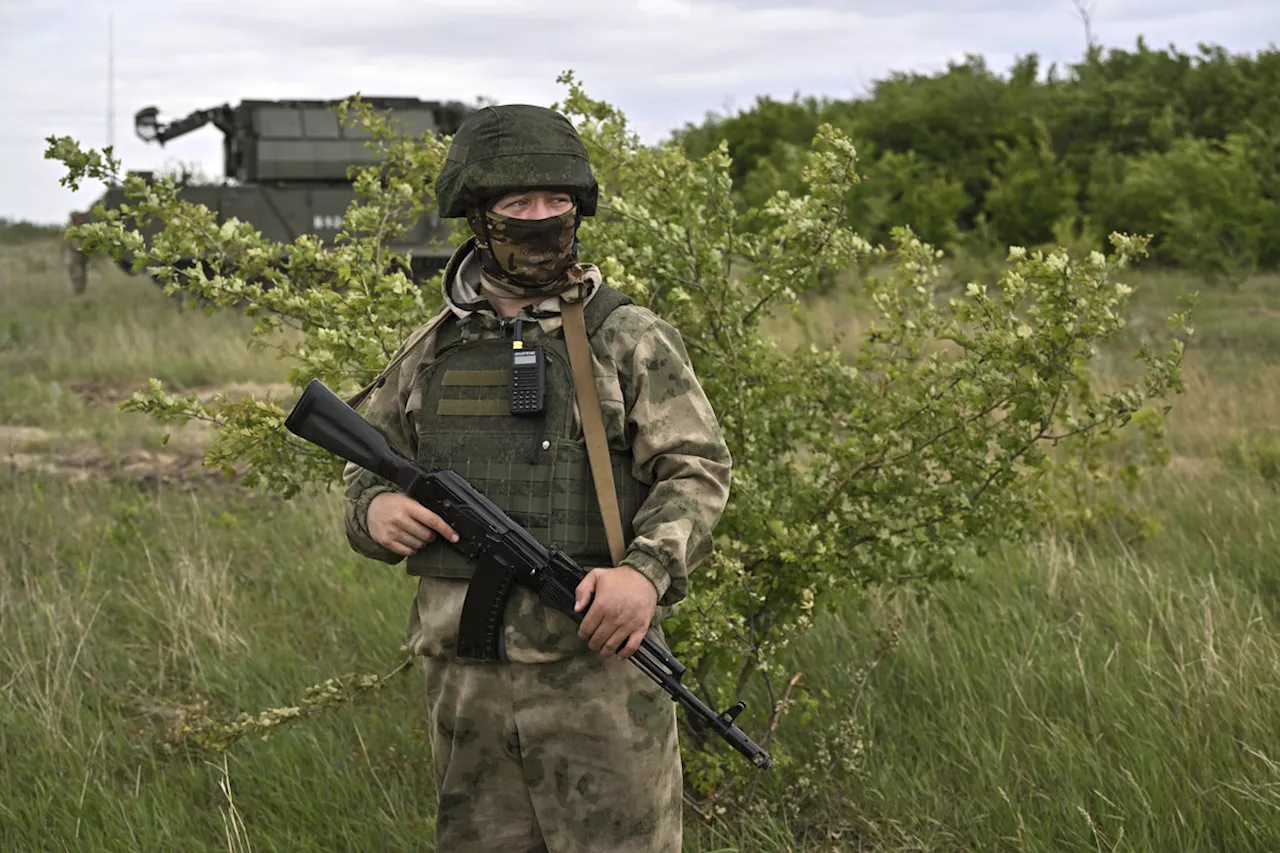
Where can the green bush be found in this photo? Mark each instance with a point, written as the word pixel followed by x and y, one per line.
pixel 1031 191
pixel 906 189
pixel 1178 146
pixel 1213 216
pixel 23 231
pixel 1255 454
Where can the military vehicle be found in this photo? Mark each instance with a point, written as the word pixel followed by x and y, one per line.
pixel 285 169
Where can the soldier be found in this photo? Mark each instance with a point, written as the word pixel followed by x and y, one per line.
pixel 562 746
pixel 77 261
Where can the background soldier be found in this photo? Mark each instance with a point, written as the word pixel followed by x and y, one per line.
pixel 557 748
pixel 76 260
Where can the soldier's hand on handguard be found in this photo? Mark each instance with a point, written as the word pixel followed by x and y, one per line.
pixel 624 604
pixel 401 524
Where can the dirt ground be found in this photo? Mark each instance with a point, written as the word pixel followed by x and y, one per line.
pixel 75 455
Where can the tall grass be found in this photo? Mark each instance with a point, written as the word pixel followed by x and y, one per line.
pixel 1086 693
pixel 122 330
pixel 1083 696
pixel 125 613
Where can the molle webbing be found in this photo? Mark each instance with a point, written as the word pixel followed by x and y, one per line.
pixel 474 408
pixel 476 378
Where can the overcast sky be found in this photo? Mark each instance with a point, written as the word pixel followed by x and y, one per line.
pixel 664 62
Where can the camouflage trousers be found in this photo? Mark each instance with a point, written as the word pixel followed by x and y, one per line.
pixel 575 755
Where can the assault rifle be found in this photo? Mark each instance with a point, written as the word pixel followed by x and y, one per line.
pixel 505 553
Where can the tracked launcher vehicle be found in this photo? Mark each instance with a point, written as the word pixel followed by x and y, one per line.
pixel 285 170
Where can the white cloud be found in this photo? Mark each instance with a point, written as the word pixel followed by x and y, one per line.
pixel 664 62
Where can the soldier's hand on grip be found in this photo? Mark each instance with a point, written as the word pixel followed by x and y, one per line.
pixel 620 612
pixel 399 523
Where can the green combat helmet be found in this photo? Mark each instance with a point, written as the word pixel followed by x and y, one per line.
pixel 502 149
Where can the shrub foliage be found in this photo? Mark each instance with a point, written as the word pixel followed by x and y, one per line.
pixel 1180 147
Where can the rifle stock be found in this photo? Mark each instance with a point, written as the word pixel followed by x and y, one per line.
pixel 504 551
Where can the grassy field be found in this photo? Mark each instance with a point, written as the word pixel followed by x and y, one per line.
pixel 1086 693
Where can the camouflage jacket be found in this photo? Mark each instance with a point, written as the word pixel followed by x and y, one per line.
pixel 653 406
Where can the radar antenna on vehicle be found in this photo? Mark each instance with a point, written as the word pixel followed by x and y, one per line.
pixel 286 166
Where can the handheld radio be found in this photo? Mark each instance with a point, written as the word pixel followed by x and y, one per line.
pixel 527 382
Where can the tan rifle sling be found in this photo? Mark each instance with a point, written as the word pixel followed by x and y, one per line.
pixel 584 383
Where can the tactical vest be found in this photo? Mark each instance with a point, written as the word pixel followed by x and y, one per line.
pixel 534 468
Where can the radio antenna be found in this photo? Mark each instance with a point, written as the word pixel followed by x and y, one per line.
pixel 111 79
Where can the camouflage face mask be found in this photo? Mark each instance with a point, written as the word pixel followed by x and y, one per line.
pixel 529 256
